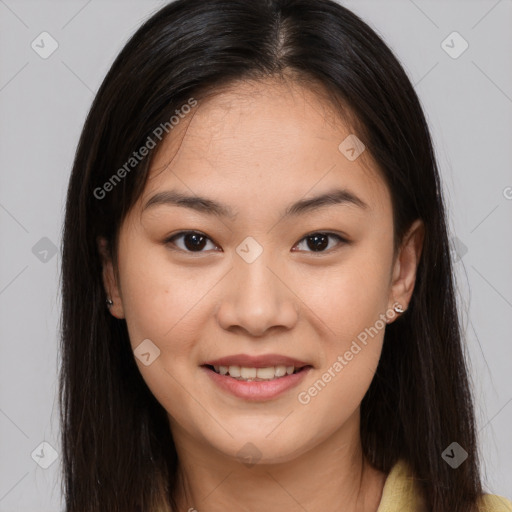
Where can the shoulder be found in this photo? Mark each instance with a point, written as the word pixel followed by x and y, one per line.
pixel 494 503
pixel 402 493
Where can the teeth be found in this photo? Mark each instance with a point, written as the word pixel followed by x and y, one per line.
pixel 265 373
pixel 250 374
pixel 234 371
pixel 247 373
pixel 280 371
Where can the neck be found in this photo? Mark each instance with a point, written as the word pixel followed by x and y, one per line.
pixel 333 471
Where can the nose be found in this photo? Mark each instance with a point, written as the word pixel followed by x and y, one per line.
pixel 257 298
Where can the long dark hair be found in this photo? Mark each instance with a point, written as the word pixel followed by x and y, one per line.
pixel 118 452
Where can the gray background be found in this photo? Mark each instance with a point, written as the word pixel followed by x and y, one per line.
pixel 468 101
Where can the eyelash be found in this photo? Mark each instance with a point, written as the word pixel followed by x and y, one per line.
pixel 341 239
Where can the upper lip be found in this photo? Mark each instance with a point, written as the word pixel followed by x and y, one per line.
pixel 262 361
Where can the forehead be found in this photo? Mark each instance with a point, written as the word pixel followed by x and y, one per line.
pixel 265 138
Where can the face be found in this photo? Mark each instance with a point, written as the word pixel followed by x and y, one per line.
pixel 260 285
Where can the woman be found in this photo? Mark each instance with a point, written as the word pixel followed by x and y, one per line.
pixel 258 302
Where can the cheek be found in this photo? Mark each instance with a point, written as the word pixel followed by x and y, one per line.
pixel 351 300
pixel 165 303
pixel 351 296
pixel 155 297
pixel 158 302
pixel 352 306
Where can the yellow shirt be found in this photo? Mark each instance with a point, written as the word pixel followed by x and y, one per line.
pixel 401 494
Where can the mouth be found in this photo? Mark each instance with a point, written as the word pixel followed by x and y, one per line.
pixel 256 378
pixel 252 374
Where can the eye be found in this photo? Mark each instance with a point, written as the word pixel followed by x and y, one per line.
pixel 319 241
pixel 193 241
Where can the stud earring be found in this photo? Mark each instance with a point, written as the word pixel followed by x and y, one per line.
pixel 398 308
pixel 109 302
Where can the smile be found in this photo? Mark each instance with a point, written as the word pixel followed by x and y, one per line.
pixel 249 374
pixel 256 384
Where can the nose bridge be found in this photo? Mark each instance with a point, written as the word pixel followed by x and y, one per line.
pixel 257 289
pixel 257 298
pixel 255 278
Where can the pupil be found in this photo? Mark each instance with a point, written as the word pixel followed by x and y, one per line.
pixel 195 245
pixel 318 246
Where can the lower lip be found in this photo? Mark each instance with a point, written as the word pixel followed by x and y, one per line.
pixel 257 390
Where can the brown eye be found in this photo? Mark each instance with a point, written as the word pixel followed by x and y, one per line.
pixel 318 242
pixel 193 241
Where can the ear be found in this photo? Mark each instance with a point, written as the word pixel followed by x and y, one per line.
pixel 109 279
pixel 406 265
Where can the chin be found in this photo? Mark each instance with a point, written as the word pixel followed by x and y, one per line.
pixel 251 447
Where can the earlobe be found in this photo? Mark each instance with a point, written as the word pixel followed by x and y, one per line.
pixel 113 300
pixel 406 265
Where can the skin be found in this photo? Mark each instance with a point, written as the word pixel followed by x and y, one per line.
pixel 257 148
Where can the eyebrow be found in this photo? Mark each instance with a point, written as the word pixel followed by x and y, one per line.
pixel 212 207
